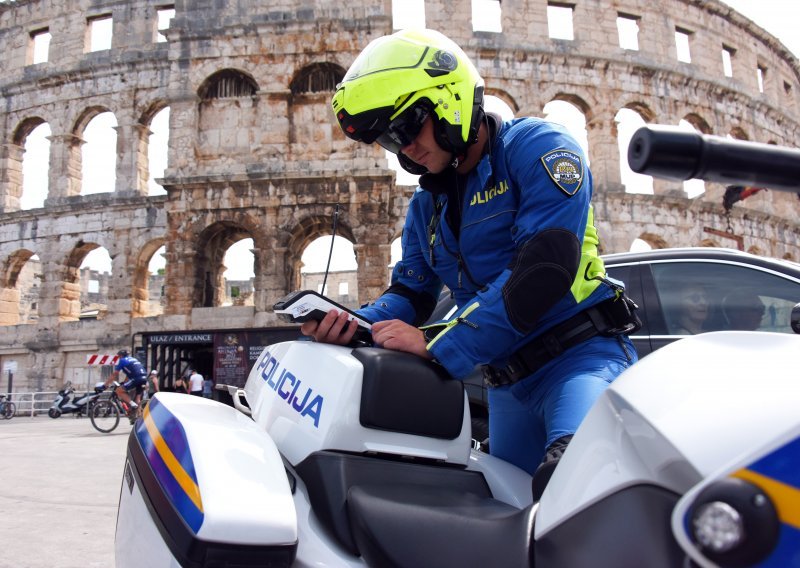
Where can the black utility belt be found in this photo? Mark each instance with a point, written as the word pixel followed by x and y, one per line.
pixel 612 317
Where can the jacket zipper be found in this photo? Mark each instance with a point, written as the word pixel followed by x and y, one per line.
pixel 462 265
pixel 456 321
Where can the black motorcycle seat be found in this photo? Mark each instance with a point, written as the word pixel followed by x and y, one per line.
pixel 404 393
pixel 416 526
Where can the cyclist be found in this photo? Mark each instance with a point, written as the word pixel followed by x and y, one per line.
pixel 136 379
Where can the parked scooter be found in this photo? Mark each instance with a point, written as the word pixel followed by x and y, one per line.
pixel 67 403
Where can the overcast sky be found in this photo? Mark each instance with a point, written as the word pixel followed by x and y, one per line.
pixel 781 18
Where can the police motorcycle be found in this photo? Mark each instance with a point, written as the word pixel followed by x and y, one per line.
pixel 342 456
pixel 67 403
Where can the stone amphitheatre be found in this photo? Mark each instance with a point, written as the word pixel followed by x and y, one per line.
pixel 253 151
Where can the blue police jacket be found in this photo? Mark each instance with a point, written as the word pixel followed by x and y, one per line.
pixel 533 183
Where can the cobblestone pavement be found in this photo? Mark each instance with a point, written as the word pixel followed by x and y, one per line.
pixel 59 488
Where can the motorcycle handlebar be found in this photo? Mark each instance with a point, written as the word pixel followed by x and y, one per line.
pixel 673 153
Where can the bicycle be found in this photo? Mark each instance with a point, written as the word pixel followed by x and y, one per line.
pixel 7 408
pixel 105 414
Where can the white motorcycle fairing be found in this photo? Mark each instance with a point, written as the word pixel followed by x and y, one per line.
pixel 202 484
pixel 700 409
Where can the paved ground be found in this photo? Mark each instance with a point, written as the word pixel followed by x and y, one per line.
pixel 59 488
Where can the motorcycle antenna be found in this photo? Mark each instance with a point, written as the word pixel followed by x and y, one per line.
pixel 330 253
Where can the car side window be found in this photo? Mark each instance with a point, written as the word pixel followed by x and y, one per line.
pixel 710 296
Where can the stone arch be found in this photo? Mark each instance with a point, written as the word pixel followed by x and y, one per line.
pixel 149 113
pixel 577 101
pixel 70 296
pixel 506 98
pixel 209 254
pixel 756 250
pixel 311 87
pixel 321 77
pixel 12 267
pixel 24 128
pixel 86 116
pixel 739 133
pixel 698 122
pixel 76 146
pixel 226 84
pixel 10 295
pixel 642 109
pixel 228 118
pixel 140 288
pixel 302 234
pixel 16 163
pixel 143 135
pixel 655 241
pixel 709 243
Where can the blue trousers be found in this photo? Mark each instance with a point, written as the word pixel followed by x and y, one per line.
pixel 528 416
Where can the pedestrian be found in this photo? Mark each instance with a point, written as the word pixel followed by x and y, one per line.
pixel 182 384
pixel 195 383
pixel 503 218
pixel 152 383
pixel 208 387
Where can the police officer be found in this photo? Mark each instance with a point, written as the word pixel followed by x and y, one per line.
pixel 503 218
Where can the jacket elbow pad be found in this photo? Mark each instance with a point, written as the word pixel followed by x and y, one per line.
pixel 542 271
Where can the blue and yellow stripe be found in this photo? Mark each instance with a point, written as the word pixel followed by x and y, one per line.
pixel 163 440
pixel 778 475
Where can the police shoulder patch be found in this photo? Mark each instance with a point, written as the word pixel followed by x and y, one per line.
pixel 565 168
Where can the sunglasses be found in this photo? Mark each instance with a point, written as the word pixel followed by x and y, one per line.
pixel 404 129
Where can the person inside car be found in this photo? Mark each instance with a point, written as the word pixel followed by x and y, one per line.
pixel 743 310
pixel 692 310
pixel 503 218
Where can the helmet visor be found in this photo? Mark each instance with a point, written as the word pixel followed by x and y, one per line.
pixel 404 129
pixel 383 54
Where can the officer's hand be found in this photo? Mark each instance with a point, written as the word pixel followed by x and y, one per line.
pixel 333 328
pixel 400 336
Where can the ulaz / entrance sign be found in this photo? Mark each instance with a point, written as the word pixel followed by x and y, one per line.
pixel 180 338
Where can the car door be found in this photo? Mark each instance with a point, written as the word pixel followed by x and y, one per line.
pixel 631 275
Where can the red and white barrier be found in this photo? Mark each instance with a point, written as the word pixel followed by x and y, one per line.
pixel 102 359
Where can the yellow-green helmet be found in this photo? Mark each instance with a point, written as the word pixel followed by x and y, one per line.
pixel 398 81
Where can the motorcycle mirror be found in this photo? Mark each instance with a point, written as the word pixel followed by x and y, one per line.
pixel 795 319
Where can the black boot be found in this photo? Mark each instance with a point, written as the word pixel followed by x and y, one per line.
pixel 545 470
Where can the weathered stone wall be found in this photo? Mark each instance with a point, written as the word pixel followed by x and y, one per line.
pixel 270 164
